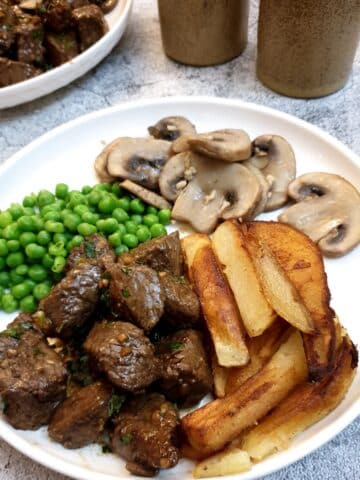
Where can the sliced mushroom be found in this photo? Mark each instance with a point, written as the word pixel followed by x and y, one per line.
pixel 101 163
pixel 148 196
pixel 171 128
pixel 229 145
pixel 136 159
pixel 176 174
pixel 279 169
pixel 181 144
pixel 328 211
pixel 265 188
pixel 217 191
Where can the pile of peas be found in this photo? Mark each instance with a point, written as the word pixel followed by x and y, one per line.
pixel 37 236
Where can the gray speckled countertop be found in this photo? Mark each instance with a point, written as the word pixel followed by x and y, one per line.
pixel 137 68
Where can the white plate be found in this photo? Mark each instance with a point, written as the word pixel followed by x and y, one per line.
pixel 58 77
pixel 67 153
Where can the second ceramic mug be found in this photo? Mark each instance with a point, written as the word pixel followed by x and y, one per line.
pixel 203 32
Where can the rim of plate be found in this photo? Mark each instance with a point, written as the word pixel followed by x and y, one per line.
pixel 327 433
pixel 62 70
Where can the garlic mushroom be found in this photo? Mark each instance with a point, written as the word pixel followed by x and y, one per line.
pixel 328 211
pixel 171 128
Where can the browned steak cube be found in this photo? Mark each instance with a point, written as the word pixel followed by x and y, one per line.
pixel 32 375
pixel 163 254
pixel 13 72
pixel 181 304
pixel 95 248
pixel 135 295
pixel 60 47
pixel 146 434
pixel 29 41
pixel 57 15
pixel 186 374
pixel 123 353
pixel 81 418
pixel 90 24
pixel 7 26
pixel 72 301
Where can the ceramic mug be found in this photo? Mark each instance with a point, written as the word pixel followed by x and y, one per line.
pixel 203 32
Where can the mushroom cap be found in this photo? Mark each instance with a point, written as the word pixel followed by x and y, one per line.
pixel 101 163
pixel 171 128
pixel 136 159
pixel 328 211
pixel 175 175
pixel 229 145
pixel 279 169
pixel 217 191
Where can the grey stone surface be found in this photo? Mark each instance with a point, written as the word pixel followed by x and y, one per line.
pixel 137 68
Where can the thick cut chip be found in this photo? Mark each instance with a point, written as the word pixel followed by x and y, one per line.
pixel 211 427
pixel 228 462
pixel 217 302
pixel 229 246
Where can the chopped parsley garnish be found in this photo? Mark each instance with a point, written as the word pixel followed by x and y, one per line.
pixel 175 345
pixel 116 403
pixel 125 293
pixel 12 332
pixel 181 279
pixel 37 35
pixel 27 326
pixel 126 439
pixel 106 275
pixel 89 249
pixel 37 351
pixel 79 370
pixel 126 270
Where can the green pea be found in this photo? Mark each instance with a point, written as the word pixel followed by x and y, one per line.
pixel 27 237
pixel 57 249
pixel 157 230
pixel 27 211
pixel 86 229
pixel 110 225
pixel 5 279
pixel 28 304
pixel 41 290
pixel 61 190
pixel 59 264
pixel 11 232
pixel 124 203
pixel 14 259
pixel 26 223
pixel 53 216
pixel 130 240
pixel 5 219
pixel 65 212
pixel 90 217
pixel 77 240
pixel 103 187
pixel 13 245
pixel 20 290
pixel 116 190
pixel 16 210
pixel 37 273
pixel 121 249
pixel 4 249
pixel 43 237
pixel 86 189
pixel 47 261
pixel 136 218
pixel 121 229
pixel 38 223
pixel 30 283
pixel 164 216
pixel 137 206
pixel 15 278
pixel 9 303
pixel 107 204
pixel 115 239
pixel 151 209
pixel 76 198
pixel 81 209
pixel 54 227
pixel 120 215
pixel 62 237
pixel 29 200
pixel 35 251
pixel 143 234
pixel 94 198
pixel 150 219
pixel 22 270
pixel 72 221
pixel 45 197
pixel 131 227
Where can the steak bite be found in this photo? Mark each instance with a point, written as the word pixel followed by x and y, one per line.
pixel 136 295
pixel 60 47
pixel 32 375
pixel 181 304
pixel 29 40
pixel 94 249
pixel 90 25
pixel 186 375
pixel 163 254
pixel 72 301
pixel 146 434
pixel 7 24
pixel 14 72
pixel 57 15
pixel 123 353
pixel 81 418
